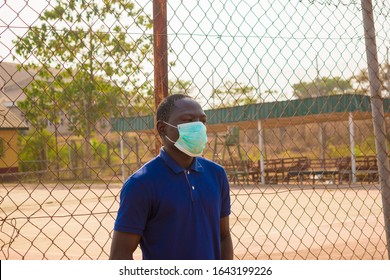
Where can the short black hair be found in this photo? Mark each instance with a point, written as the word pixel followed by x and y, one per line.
pixel 164 109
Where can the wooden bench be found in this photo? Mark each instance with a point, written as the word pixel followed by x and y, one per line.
pixel 275 168
pixel 314 174
pixel 366 168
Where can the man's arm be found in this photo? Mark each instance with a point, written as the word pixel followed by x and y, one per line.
pixel 123 245
pixel 226 239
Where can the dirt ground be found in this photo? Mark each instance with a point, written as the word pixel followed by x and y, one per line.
pixel 74 221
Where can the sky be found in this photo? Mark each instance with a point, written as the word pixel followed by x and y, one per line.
pixel 268 44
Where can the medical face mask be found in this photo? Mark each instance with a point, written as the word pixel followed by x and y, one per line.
pixel 192 138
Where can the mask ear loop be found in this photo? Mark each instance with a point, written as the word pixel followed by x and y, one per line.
pixel 170 140
pixel 166 135
pixel 170 124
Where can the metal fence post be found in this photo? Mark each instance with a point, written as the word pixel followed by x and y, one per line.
pixel 351 128
pixel 122 156
pixel 377 113
pixel 261 151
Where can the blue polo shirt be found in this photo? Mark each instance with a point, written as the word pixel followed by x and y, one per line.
pixel 176 211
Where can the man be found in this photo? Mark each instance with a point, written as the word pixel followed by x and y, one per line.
pixel 177 205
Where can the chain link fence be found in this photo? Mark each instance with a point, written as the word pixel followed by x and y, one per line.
pixel 285 86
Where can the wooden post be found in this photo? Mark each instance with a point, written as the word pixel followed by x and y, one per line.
pixel 160 43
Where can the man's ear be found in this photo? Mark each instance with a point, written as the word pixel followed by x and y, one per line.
pixel 161 128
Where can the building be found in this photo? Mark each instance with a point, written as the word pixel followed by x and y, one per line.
pixel 14 79
pixel 9 149
pixel 12 82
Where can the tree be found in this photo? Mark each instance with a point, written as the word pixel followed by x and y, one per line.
pixel 233 94
pixel 180 86
pixel 89 62
pixel 361 80
pixel 39 110
pixel 35 153
pixel 322 87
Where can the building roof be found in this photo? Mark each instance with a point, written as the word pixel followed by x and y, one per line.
pixel 273 114
pixel 9 121
pixel 13 79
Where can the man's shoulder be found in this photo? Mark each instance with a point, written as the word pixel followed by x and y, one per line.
pixel 148 170
pixel 206 163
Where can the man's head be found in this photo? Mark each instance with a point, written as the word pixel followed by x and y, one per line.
pixel 175 110
pixel 167 105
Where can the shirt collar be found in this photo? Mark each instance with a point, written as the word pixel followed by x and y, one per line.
pixel 172 164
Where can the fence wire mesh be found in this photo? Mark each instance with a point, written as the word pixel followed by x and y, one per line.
pixel 286 90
